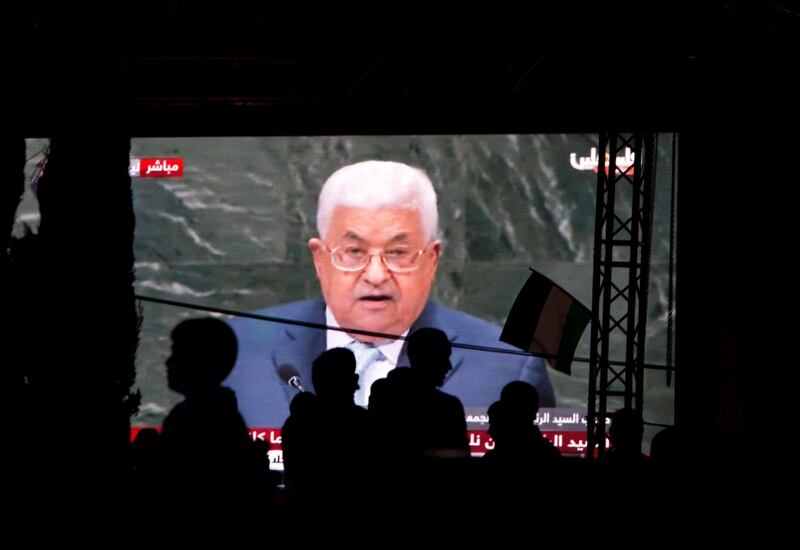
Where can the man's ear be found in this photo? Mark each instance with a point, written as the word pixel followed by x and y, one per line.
pixel 317 247
pixel 315 244
pixel 436 249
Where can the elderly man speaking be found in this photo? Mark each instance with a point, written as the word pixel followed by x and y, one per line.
pixel 375 258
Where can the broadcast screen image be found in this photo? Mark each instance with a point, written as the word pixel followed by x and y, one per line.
pixel 225 222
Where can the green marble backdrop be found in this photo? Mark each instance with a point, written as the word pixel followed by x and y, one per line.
pixel 232 231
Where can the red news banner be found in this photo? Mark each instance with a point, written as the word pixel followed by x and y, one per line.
pixel 565 428
pixel 160 167
pixel 567 442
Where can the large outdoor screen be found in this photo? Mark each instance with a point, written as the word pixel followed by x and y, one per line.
pixel 225 222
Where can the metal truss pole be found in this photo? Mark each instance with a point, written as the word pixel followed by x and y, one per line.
pixel 623 232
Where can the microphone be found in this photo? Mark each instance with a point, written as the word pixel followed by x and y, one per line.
pixel 290 375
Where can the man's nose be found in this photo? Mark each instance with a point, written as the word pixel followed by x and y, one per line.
pixel 376 271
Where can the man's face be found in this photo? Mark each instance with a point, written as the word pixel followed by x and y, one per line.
pixel 375 298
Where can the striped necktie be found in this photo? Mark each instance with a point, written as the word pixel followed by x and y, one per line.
pixel 366 356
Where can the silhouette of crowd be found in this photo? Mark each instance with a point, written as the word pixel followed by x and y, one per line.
pixel 407 453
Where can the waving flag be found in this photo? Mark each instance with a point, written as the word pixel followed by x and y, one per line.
pixel 546 320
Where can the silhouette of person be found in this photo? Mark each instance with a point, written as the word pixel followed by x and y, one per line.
pixel 625 434
pixel 671 473
pixel 511 425
pixel 522 462
pixel 376 258
pixel 206 443
pixel 665 449
pixel 409 408
pixel 304 452
pixel 523 397
pixel 325 439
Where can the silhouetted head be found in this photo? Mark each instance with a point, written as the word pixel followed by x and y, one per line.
pixel 500 416
pixel 626 430
pixel 203 354
pixel 523 397
pixel 334 376
pixel 429 354
pixel 665 447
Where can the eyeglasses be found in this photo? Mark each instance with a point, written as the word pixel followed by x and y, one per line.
pixel 355 258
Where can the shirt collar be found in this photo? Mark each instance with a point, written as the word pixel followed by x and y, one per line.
pixel 339 339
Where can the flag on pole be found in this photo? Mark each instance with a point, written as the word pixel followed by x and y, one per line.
pixel 546 320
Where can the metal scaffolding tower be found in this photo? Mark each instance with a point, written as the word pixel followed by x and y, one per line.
pixel 623 234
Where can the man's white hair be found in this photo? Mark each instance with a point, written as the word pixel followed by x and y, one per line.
pixel 376 184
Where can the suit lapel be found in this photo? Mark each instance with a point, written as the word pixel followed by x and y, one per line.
pixel 301 345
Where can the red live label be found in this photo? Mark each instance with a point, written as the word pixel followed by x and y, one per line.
pixel 156 168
